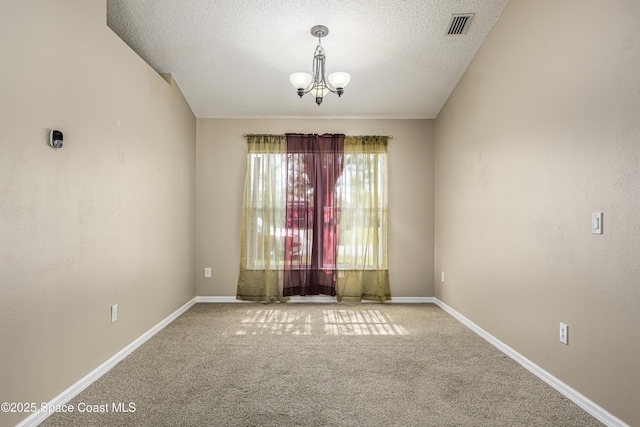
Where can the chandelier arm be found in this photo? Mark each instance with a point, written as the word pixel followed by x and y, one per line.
pixel 322 78
pixel 306 91
pixel 318 61
pixel 314 62
pixel 326 82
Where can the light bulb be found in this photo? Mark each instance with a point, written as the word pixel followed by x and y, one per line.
pixel 315 91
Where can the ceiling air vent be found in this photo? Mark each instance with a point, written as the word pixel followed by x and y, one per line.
pixel 460 23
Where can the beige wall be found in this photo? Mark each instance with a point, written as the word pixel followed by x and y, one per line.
pixel 108 219
pixel 542 130
pixel 221 166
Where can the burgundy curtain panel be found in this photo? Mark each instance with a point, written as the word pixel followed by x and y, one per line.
pixel 314 165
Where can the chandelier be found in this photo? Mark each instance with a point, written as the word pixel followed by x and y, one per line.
pixel 316 82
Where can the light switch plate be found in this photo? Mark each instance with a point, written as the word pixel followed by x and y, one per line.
pixel 207 272
pixel 596 223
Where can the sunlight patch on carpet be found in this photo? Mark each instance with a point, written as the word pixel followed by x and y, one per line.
pixel 350 322
pixel 276 322
pixel 360 322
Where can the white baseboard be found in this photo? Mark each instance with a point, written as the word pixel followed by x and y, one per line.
pixel 322 299
pixel 413 300
pixel 219 300
pixel 64 397
pixel 588 405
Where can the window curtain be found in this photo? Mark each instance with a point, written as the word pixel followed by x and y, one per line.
pixel 314 165
pixel 314 218
pixel 362 234
pixel 263 220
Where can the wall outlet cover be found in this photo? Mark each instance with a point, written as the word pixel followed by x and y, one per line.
pixel 564 333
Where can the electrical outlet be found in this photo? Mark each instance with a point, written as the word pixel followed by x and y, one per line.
pixel 564 333
pixel 207 272
pixel 442 277
pixel 114 313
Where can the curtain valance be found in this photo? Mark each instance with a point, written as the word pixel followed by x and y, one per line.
pixel 352 143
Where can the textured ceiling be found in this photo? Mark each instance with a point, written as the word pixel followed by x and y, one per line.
pixel 233 58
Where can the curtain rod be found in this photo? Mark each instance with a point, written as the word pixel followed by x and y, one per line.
pixel 247 134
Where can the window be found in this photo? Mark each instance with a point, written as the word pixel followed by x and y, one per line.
pixel 265 203
pixel 363 212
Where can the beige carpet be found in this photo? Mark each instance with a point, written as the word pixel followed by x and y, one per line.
pixel 321 365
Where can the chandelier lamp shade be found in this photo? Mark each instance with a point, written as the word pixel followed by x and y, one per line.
pixel 316 82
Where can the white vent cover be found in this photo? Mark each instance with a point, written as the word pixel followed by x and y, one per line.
pixel 460 23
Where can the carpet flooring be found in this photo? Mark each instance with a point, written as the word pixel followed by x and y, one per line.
pixel 320 365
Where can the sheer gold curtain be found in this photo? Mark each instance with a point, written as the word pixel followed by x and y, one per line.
pixel 362 240
pixel 263 220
